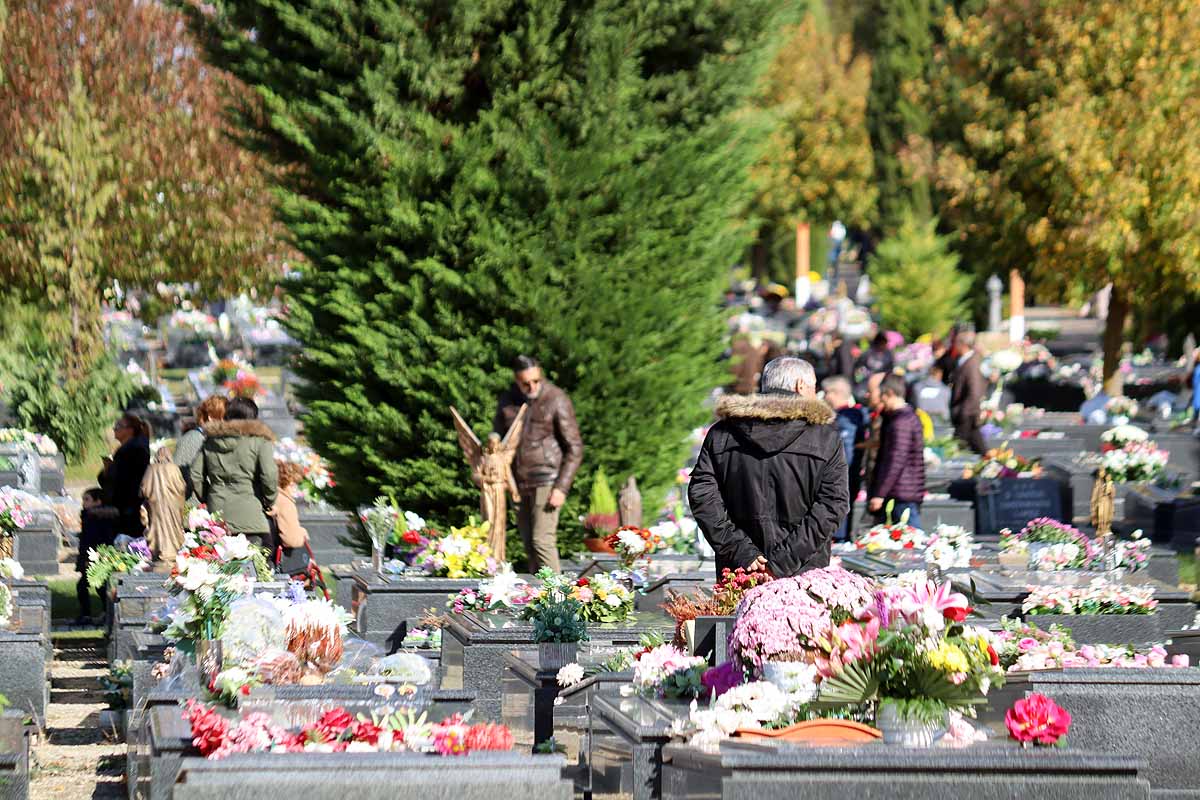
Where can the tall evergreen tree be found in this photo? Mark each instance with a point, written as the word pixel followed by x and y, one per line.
pixel 903 55
pixel 469 180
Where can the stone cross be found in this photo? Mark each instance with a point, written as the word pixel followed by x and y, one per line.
pixel 629 504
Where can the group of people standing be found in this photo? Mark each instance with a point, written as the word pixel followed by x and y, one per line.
pixel 225 462
pixel 777 476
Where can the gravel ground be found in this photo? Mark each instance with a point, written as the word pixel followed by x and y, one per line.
pixel 75 758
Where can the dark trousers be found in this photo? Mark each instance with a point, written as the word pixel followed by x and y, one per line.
pixel 83 594
pixel 898 509
pixel 967 430
pixel 847 527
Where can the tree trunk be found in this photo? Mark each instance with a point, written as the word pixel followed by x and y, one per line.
pixel 1114 338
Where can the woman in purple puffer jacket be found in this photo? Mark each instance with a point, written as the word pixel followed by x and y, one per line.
pixel 899 476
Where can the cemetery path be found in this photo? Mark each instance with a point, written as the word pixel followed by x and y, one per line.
pixel 75 757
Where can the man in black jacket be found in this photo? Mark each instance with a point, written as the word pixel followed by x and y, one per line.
pixel 769 488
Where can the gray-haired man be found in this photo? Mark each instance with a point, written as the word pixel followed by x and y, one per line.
pixel 769 488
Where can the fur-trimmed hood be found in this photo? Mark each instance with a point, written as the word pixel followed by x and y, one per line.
pixel 238 427
pixel 769 407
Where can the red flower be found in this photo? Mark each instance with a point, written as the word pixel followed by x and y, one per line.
pixel 995 659
pixel 1037 719
pixel 246 688
pixel 489 737
pixel 581 582
pixel 333 723
pixel 366 731
pixel 411 537
pixel 957 613
pixel 896 536
pixel 908 545
pixel 209 728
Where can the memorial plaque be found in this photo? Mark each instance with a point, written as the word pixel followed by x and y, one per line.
pixel 1013 502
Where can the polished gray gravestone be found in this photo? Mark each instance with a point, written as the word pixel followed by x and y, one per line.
pixel 386 607
pixel 132 596
pixel 374 776
pixel 658 589
pixel 24 677
pixel 987 771
pixel 624 757
pixel 576 727
pixel 15 748
pixel 35 547
pixel 1150 713
pixel 53 474
pixel 1135 629
pixel 474 647
pixel 1170 517
pixel 710 638
pixel 333 535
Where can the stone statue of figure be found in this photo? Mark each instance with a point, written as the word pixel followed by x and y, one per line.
pixel 164 489
pixel 629 504
pixel 1103 498
pixel 491 469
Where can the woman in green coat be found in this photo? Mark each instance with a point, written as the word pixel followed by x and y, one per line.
pixel 235 473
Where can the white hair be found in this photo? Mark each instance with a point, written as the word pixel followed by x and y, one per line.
pixel 837 382
pixel 783 374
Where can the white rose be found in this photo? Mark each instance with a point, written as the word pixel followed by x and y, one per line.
pixel 612 601
pixel 232 548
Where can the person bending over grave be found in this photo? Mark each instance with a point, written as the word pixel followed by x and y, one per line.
pixel 770 486
pixel 548 457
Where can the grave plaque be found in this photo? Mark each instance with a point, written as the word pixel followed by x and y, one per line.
pixel 1013 502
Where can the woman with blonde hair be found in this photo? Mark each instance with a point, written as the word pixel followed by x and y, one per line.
pixel 211 409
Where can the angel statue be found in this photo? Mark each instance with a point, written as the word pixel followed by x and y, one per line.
pixel 491 469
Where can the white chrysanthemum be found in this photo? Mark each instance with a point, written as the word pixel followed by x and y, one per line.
pixel 570 674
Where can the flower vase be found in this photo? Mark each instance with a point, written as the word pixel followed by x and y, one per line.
pixel 907 732
pixel 210 658
pixel 553 656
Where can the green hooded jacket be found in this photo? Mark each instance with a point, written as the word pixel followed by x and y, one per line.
pixel 235 474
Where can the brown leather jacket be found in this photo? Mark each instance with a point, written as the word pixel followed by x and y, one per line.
pixel 967 388
pixel 551 449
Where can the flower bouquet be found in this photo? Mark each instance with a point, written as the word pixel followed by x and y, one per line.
pixel 1135 461
pixel 196 324
pixel 603 598
pixel 1098 597
pixel 316 479
pixel 106 560
pixel 631 544
pixel 1002 462
pixel 1116 438
pixel 892 536
pixel 910 652
pixel 1051 545
pixel 1121 409
pixel 337 731
pixel 666 671
pixel 388 527
pixel 13 517
pixel 677 534
pixel 949 547
pixel 43 444
pixel 504 592
pixel 462 553
pixel 1036 719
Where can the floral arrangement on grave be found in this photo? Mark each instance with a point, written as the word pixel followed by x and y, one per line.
pixel 750 705
pixel 338 731
pixel 668 672
pixel 1051 545
pixel 315 478
pixel 1036 719
pixel 949 547
pixel 389 527
pixel 405 667
pixel 423 638
pixel 111 559
pixel 1131 554
pixel 1006 361
pixel 677 533
pixel 1002 462
pixel 40 442
pixel 462 553
pixel 602 518
pixel 1027 648
pixel 1121 435
pixel 196 323
pixel 1135 461
pixel 603 598
pixel 721 602
pixel 506 591
pixel 237 378
pixel 915 358
pixel 897 535
pixel 1121 409
pixel 1098 597
pixel 13 517
pixel 212 570
pixel 144 390
pixel 909 650
pixel 790 620
pixel 632 544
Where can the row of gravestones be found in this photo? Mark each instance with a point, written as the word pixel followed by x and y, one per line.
pixel 25 654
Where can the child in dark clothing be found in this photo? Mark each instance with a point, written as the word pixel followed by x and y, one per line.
pixel 97 527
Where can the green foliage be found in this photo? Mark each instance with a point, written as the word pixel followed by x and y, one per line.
pixel 917 257
pixel 560 622
pixel 471 181
pixel 108 561
pixel 905 34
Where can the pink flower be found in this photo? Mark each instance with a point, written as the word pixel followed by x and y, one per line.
pixel 1180 661
pixel 1037 719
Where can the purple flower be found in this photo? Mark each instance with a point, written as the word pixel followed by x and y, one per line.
pixel 295 592
pixel 139 548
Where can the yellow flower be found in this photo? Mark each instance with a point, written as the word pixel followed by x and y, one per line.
pixel 948 658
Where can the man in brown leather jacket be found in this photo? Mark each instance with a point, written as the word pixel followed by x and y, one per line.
pixel 967 388
pixel 548 457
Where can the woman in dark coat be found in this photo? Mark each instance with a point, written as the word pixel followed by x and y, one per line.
pixel 121 478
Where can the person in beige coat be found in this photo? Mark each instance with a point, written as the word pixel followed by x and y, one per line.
pixel 164 489
pixel 287 517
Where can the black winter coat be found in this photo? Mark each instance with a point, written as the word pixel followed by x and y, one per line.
pixel 900 463
pixel 121 484
pixel 771 481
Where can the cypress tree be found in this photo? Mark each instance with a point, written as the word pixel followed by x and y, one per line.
pixel 903 57
pixel 469 180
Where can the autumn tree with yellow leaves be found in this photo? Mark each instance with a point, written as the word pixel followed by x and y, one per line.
pixel 1064 143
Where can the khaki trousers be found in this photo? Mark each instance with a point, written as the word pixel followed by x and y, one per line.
pixel 538 524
